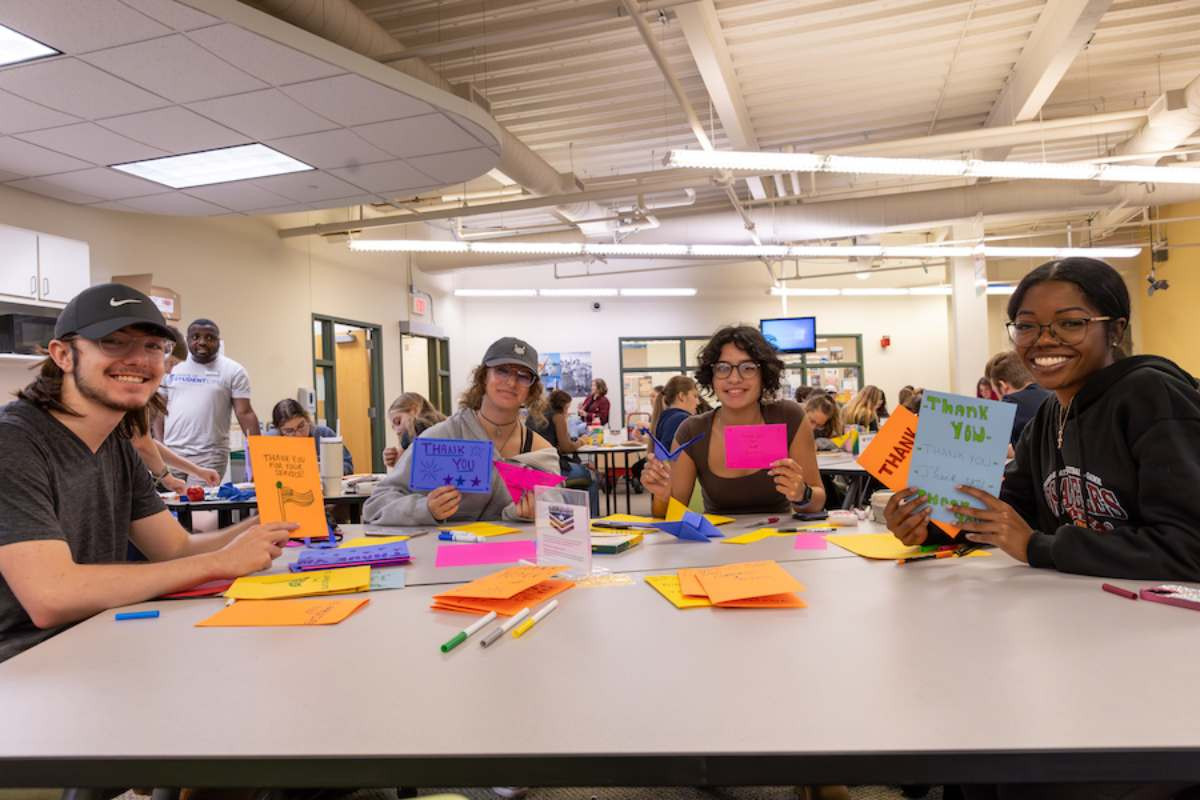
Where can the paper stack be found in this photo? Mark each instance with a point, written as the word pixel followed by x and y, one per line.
pixel 378 555
pixel 506 592
pixel 752 584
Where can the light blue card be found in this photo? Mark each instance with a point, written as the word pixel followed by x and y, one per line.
pixel 961 441
pixel 465 464
pixel 389 578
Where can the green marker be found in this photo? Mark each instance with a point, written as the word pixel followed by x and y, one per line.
pixel 467 632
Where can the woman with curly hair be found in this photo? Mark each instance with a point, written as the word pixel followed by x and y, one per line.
pixel 490 409
pixel 743 371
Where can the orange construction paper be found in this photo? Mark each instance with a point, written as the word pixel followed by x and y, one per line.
pixel 287 482
pixel 749 579
pixel 786 600
pixel 270 613
pixel 503 584
pixel 689 584
pixel 505 607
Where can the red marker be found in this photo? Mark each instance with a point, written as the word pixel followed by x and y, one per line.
pixel 1118 591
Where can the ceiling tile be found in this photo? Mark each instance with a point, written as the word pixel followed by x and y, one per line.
pixel 455 167
pixel 268 114
pixel 238 196
pixel 341 202
pixel 30 160
pixel 418 136
pixel 104 183
pixel 173 14
pixel 175 130
pixel 18 115
pixel 77 26
pixel 355 100
pixel 8 176
pixel 389 177
pixel 340 148
pixel 169 203
pixel 40 186
pixel 176 68
pixel 478 131
pixel 306 186
pixel 272 62
pixel 74 87
pixel 92 143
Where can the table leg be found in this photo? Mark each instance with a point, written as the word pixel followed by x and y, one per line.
pixel 184 515
pixel 628 480
pixel 224 517
pixel 356 513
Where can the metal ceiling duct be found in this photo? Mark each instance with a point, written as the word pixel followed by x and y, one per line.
pixel 1173 118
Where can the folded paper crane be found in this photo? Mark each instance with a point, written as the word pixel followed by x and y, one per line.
pixel 519 480
pixel 664 453
pixel 683 523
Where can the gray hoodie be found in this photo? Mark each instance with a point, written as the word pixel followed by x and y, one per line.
pixel 394 503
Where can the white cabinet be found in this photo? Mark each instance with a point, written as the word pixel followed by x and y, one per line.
pixel 42 268
pixel 18 263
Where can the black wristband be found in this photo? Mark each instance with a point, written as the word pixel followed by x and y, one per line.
pixel 805 498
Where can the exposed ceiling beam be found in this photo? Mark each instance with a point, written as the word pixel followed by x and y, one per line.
pixel 706 40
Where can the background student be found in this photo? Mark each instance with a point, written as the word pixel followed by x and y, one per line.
pixel 680 397
pixel 596 405
pixel 490 409
pixel 824 419
pixel 863 409
pixel 1012 381
pixel 554 431
pixel 290 419
pixel 410 414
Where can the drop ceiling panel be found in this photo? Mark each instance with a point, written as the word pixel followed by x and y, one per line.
pixel 90 142
pixel 355 100
pixel 77 26
pixel 18 115
pixel 261 57
pixel 176 68
pixel 106 184
pixel 73 87
pixel 40 186
pixel 238 196
pixel 340 148
pixel 445 166
pixel 175 130
pixel 268 114
pixel 169 203
pixel 308 186
pixel 389 177
pixel 173 14
pixel 418 136
pixel 31 160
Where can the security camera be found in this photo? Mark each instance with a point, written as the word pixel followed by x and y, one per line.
pixel 595 305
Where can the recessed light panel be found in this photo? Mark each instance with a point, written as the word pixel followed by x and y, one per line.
pixel 214 166
pixel 16 47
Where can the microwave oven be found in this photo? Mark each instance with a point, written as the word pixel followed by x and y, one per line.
pixel 25 333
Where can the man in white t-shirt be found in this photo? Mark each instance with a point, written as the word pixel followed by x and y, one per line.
pixel 201 392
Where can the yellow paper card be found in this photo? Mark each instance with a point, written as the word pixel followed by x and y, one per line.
pixel 668 587
pixel 301 584
pixel 599 523
pixel 675 510
pixel 881 545
pixel 287 481
pixel 505 583
pixel 749 579
pixel 751 537
pixel 271 613
pixel 367 541
pixel 717 519
pixel 483 529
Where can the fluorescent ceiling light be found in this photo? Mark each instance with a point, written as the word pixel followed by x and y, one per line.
pixel 214 166
pixel 577 292
pixel 16 47
pixel 495 292
pixel 930 291
pixel 766 162
pixel 1001 288
pixel 658 293
pixel 783 291
pixel 863 276
pixel 874 292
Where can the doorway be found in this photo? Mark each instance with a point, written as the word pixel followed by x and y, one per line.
pixel 348 383
pixel 425 368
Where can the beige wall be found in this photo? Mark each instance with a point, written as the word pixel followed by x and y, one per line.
pixel 1170 322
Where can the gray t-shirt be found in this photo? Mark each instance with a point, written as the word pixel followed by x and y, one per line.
pixel 199 402
pixel 56 488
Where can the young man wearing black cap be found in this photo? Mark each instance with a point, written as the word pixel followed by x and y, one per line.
pixel 75 492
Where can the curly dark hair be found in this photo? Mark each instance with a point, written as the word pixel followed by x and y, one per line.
pixel 750 340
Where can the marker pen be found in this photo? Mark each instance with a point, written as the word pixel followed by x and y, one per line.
pixel 505 628
pixel 137 615
pixel 459 536
pixel 468 631
pixel 542 613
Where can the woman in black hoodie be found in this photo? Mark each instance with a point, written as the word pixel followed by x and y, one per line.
pixel 1104 478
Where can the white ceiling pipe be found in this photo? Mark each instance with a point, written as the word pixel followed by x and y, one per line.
pixel 1174 117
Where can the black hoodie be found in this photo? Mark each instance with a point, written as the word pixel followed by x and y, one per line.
pixel 1122 499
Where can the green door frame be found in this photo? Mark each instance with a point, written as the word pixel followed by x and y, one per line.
pixel 375 347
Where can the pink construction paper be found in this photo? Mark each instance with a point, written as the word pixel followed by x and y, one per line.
pixel 469 555
pixel 810 541
pixel 755 446
pixel 518 479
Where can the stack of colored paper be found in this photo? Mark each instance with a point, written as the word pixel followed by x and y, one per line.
pixel 752 584
pixel 378 555
pixel 307 584
pixel 506 592
pixel 272 613
pixel 484 529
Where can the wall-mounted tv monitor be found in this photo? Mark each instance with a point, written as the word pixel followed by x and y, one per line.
pixel 790 334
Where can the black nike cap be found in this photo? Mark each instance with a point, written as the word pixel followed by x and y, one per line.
pixel 99 310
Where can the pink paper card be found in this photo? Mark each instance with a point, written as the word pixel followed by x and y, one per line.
pixel 810 541
pixel 518 479
pixel 755 446
pixel 470 555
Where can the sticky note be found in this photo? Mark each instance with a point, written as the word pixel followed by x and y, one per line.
pixel 467 555
pixel 755 446
pixel 305 584
pixel 883 546
pixel 668 587
pixel 810 541
pixel 505 583
pixel 519 480
pixel 287 482
pixel 388 578
pixel 749 579
pixel 271 613
pixel 484 529
pixel 465 464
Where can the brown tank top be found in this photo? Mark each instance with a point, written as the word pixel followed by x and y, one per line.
pixel 747 494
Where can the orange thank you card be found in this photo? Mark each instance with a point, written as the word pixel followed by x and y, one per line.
pixel 503 584
pixel 287 482
pixel 787 600
pixel 270 613
pixel 749 579
pixel 508 606
pixel 689 584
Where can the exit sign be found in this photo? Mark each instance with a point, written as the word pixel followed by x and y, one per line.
pixel 420 305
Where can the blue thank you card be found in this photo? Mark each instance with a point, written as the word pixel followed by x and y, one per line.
pixel 465 464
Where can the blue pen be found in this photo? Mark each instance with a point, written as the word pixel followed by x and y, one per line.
pixel 137 615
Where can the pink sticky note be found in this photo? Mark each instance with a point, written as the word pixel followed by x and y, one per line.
pixel 810 541
pixel 518 479
pixel 469 555
pixel 755 446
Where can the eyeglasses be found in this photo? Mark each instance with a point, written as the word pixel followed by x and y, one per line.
pixel 1071 330
pixel 521 376
pixel 746 369
pixel 297 428
pixel 119 345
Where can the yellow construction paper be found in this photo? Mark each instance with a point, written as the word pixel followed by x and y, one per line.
pixel 668 587
pixel 484 529
pixel 269 613
pixel 287 482
pixel 883 546
pixel 301 584
pixel 676 510
pixel 715 519
pixel 367 541
pixel 751 537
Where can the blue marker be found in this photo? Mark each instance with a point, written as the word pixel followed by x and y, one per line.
pixel 137 615
pixel 459 536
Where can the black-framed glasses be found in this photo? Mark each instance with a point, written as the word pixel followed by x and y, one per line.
pixel 521 376
pixel 1070 330
pixel 119 345
pixel 746 369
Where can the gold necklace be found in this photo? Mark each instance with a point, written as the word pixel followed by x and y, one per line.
pixel 1062 421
